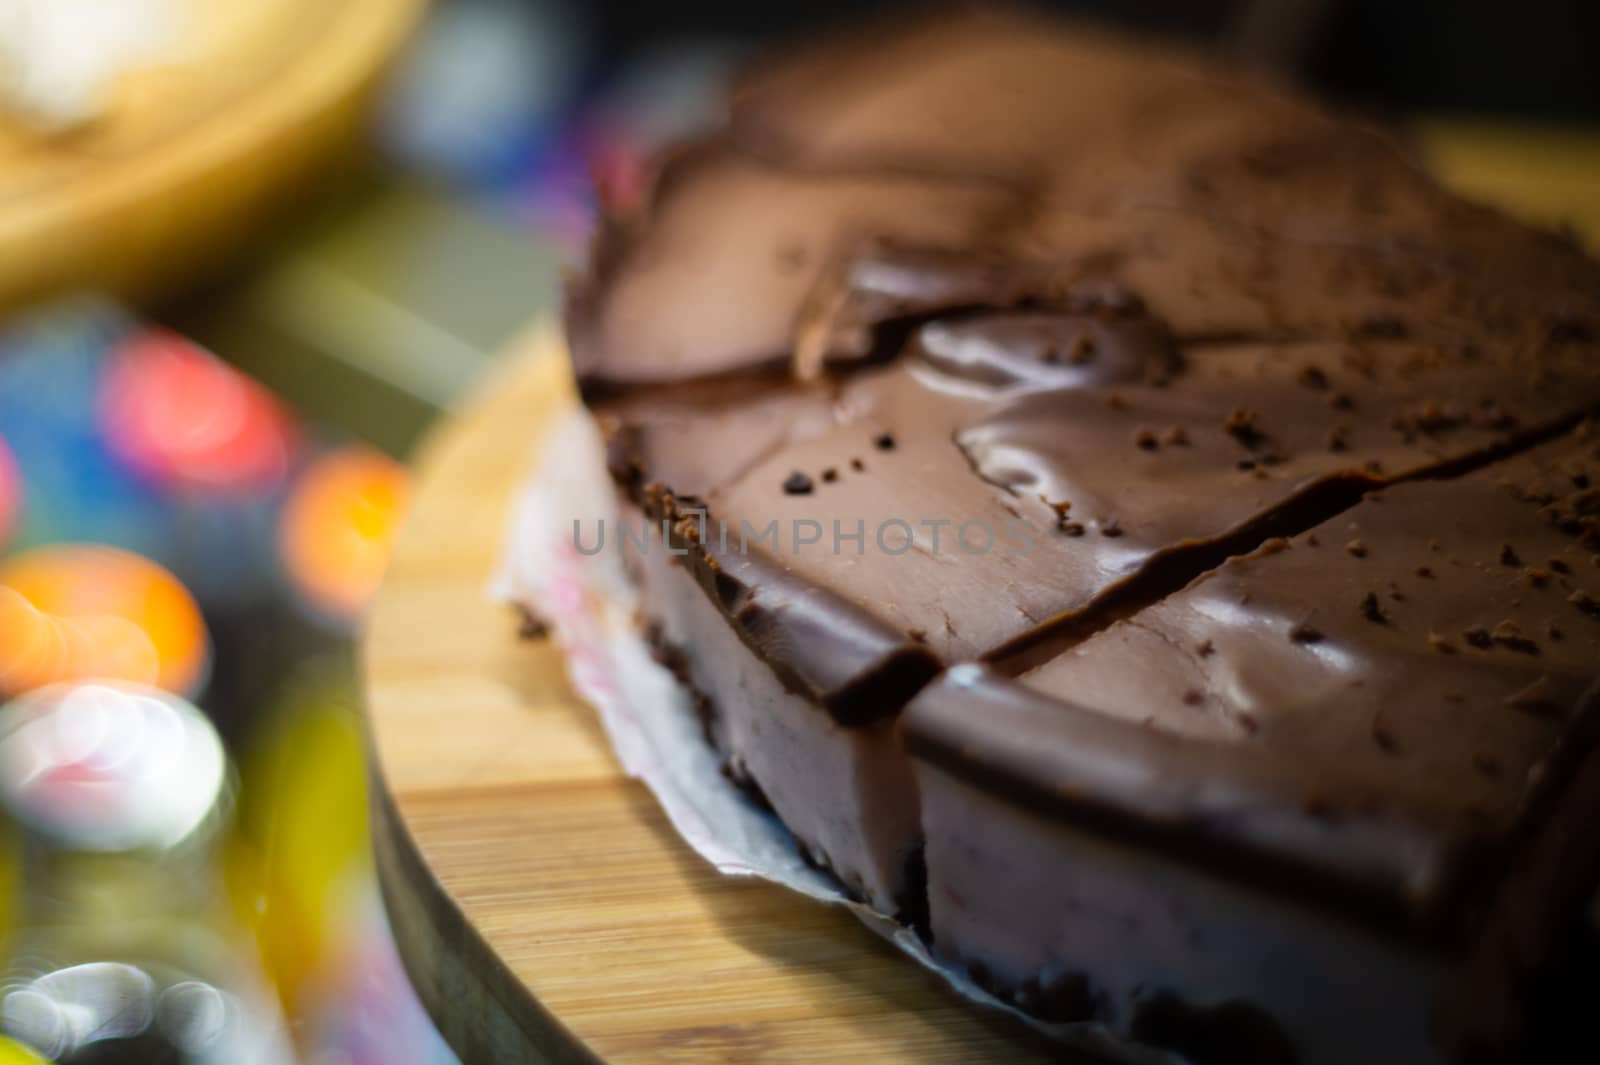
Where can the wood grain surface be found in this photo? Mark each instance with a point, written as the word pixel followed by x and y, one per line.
pixel 191 153
pixel 529 881
pixel 543 905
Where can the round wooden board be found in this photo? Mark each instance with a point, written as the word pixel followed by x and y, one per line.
pixel 543 905
pixel 190 154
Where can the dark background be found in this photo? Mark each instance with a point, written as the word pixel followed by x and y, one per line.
pixel 1531 57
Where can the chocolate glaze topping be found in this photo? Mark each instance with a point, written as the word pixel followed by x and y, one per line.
pixel 1326 725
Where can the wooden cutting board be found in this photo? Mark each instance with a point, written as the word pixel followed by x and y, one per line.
pixel 543 905
pixel 192 150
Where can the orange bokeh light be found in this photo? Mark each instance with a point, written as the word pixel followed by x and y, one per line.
pixel 339 526
pixel 79 611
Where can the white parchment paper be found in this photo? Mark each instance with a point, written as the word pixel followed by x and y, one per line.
pixel 590 606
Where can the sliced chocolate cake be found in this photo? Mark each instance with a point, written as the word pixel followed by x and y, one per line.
pixel 1213 488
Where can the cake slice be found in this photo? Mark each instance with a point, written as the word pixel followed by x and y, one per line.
pixel 986 345
pixel 1349 775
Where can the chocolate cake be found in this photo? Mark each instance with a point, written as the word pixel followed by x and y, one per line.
pixel 1133 526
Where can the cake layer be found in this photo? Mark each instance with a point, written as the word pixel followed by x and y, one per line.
pixel 1383 716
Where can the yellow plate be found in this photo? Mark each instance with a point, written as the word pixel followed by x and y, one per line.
pixel 187 156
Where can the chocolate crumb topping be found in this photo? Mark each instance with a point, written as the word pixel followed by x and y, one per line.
pixel 1372 610
pixel 857 465
pixel 1537 577
pixel 797 484
pixel 1314 378
pixel 1585 602
pixel 1342 401
pixel 1384 739
pixel 1176 436
pixel 1509 635
pixel 1111 527
pixel 1441 644
pixel 1424 572
pixel 1145 439
pixel 830 475
pixel 1508 556
pixel 883 441
pixel 1244 426
pixel 1072 528
pixel 1193 697
pixel 1477 636
pixel 1356 548
pixel 1304 633
pixel 1205 649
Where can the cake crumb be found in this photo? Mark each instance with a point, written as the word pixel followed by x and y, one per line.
pixel 1508 634
pixel 1305 633
pixel 1312 377
pixel 1244 426
pixel 1372 610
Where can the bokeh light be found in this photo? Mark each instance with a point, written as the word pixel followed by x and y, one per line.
pixel 338 528
pixel 13 1053
pixel 180 416
pixel 76 611
pixel 109 766
pixel 10 493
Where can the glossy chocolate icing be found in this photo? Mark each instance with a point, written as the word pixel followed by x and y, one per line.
pixel 1373 701
pixel 1288 566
